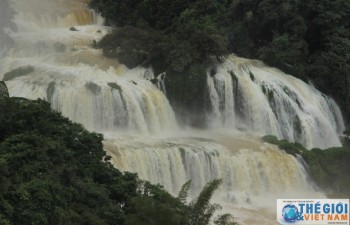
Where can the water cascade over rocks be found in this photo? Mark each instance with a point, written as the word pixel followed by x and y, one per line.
pixel 53 58
pixel 247 94
pixel 55 62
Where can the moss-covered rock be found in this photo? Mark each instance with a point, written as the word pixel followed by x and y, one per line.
pixel 233 75
pixel 251 75
pixel 115 86
pixel 21 71
pixel 94 88
pixel 73 29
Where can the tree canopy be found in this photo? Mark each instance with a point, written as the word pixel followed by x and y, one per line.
pixel 54 172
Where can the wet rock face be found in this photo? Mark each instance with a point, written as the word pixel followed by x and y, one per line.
pixel 4 93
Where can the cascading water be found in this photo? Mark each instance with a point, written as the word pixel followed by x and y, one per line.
pixel 53 59
pixel 74 77
pixel 254 174
pixel 246 94
pixel 244 164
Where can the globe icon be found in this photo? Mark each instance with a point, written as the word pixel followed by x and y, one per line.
pixel 290 213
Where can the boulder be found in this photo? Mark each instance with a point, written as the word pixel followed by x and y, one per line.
pixel 4 93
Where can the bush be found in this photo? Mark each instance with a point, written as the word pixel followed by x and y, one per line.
pixel 290 148
pixel 270 139
pixel 330 169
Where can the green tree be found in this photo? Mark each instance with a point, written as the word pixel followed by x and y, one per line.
pixel 53 171
pixel 201 210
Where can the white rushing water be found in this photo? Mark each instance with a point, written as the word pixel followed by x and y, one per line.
pixel 244 164
pixel 254 174
pixel 107 97
pixel 247 94
pixel 101 94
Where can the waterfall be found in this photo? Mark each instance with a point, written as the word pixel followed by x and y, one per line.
pixel 65 70
pixel 254 174
pixel 248 172
pixel 247 94
pixel 53 59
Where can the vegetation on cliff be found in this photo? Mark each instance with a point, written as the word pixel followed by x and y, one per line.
pixel 54 172
pixel 329 168
pixel 307 39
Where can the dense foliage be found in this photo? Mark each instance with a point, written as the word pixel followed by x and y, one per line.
pixel 290 148
pixel 307 39
pixel 54 172
pixel 329 168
